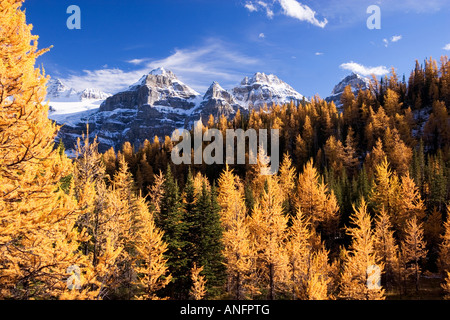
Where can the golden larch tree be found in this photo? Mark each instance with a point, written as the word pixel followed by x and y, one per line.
pixel 444 255
pixel 444 247
pixel 268 226
pixel 413 249
pixel 386 189
pixel 238 252
pixel 410 203
pixel 299 250
pixel 308 267
pixel 198 288
pixel 150 263
pixel 315 200
pixel 360 257
pixel 287 177
pixel 318 281
pixel 38 241
pixel 387 249
pixel 98 219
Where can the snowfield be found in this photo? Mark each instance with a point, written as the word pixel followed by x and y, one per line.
pixel 71 112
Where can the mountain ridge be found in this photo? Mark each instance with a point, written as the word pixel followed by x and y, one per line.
pixel 356 82
pixel 158 103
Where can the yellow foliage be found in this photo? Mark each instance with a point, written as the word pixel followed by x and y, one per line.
pixel 357 260
pixel 198 289
pixel 238 251
pixel 38 241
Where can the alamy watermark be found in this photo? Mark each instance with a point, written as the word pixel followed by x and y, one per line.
pixel 373 277
pixel 74 281
pixel 374 20
pixel 213 153
pixel 74 20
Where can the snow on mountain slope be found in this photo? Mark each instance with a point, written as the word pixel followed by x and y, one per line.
pixel 157 104
pixel 93 94
pixel 68 105
pixel 261 88
pixel 166 83
pixel 71 112
pixel 217 101
pixel 356 82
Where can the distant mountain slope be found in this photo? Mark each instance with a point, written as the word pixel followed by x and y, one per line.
pixel 157 104
pixel 356 82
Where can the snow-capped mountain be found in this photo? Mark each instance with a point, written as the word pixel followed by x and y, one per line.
pixel 93 94
pixel 159 88
pixel 218 101
pixel 254 92
pixel 57 91
pixel 356 82
pixel 158 103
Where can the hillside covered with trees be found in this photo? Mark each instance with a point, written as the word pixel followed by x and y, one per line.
pixel 366 185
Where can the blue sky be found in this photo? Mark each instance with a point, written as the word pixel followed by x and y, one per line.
pixel 311 44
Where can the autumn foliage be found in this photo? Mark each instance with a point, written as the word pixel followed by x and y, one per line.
pixel 360 188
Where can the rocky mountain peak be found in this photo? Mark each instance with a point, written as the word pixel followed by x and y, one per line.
pixel 261 77
pixel 161 71
pixel 58 91
pixel 356 82
pixel 261 89
pixel 93 94
pixel 215 90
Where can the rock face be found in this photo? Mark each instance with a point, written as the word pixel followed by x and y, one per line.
pixel 356 82
pixel 218 101
pixel 158 88
pixel 159 103
pixel 155 105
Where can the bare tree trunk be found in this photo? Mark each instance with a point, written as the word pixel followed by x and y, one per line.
pixel 238 287
pixel 271 282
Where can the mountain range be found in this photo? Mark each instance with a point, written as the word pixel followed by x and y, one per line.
pixel 158 103
pixel 57 91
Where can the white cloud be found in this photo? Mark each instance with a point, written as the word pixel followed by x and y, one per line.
pixel 108 80
pixel 396 38
pixel 319 53
pixel 269 13
pixel 346 13
pixel 363 70
pixel 296 10
pixel 290 8
pixel 197 67
pixel 447 47
pixel 256 6
pixel 136 61
pixel 251 7
pixel 262 35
